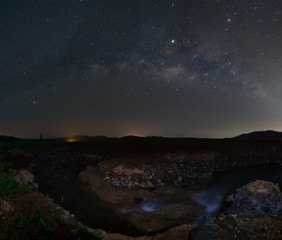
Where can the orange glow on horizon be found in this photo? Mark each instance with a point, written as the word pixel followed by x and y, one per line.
pixel 72 139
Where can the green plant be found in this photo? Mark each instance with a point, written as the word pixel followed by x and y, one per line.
pixel 25 225
pixel 38 215
pixel 90 231
pixel 22 219
pixel 57 216
pixel 6 228
pixel 5 166
pixel 8 186
pixel 28 221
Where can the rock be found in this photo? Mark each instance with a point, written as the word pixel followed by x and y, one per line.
pixel 229 198
pixel 229 227
pixel 65 215
pixel 90 179
pixel 25 178
pixel 5 208
pixel 163 218
pixel 254 213
pixel 204 232
pixel 177 233
pixel 150 185
pixel 256 199
pixel 128 202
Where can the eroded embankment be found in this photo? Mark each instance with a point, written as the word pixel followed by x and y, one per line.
pixel 162 175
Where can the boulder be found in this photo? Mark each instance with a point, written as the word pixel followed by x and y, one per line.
pixel 256 199
pixel 205 232
pixel 128 203
pixel 177 233
pixel 25 178
pixel 162 219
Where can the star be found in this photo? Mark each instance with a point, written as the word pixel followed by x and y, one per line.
pixel 102 54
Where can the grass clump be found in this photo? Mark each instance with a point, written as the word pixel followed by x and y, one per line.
pixel 8 185
pixel 29 215
pixel 87 233
pixel 32 216
pixel 97 235
pixel 5 166
pixel 28 225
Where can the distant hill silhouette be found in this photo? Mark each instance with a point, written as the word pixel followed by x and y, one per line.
pixel 260 135
pixel 257 135
pixel 8 138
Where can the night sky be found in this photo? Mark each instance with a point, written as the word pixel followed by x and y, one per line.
pixel 194 68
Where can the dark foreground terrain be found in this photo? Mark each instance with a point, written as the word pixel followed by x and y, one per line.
pixel 123 177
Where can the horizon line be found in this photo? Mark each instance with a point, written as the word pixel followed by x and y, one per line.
pixel 132 135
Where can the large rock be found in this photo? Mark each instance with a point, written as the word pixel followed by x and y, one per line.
pixel 256 199
pixel 91 180
pixel 177 233
pixel 205 232
pixel 255 213
pixel 162 219
pixel 25 178
pixel 128 203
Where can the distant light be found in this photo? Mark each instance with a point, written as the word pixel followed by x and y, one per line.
pixel 72 140
pixel 173 41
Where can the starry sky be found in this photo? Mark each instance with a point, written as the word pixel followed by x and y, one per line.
pixel 183 68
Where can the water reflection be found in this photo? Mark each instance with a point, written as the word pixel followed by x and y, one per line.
pixel 154 204
pixel 226 183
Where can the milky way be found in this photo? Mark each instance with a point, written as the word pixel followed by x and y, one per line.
pixel 195 68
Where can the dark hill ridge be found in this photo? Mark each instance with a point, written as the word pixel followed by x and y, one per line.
pixel 8 138
pixel 257 135
pixel 260 135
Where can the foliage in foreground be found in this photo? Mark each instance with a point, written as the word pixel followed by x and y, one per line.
pixel 32 222
pixel 8 185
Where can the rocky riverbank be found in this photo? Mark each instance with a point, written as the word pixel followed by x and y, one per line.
pixel 126 178
pixel 128 203
pixel 180 168
pixel 255 212
pixel 177 172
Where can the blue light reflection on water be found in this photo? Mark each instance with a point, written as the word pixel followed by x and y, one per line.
pixel 154 204
pixel 227 182
pixel 224 183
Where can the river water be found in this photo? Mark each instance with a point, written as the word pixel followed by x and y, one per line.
pixel 98 214
pixel 226 183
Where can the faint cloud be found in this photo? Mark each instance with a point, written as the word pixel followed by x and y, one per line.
pixel 169 72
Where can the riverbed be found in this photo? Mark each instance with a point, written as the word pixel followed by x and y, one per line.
pixel 88 208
